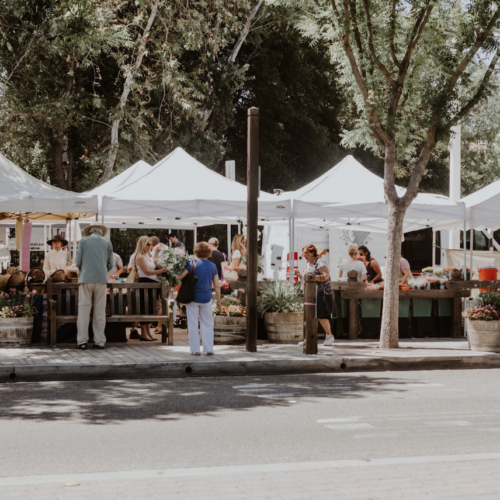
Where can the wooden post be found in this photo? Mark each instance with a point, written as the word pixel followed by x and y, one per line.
pixel 353 318
pixel 164 311
pixel 310 321
pixel 252 216
pixel 457 331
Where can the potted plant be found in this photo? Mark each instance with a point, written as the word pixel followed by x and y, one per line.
pixel 230 321
pixel 16 318
pixel 282 305
pixel 483 323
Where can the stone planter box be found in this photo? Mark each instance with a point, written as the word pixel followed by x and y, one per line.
pixel 229 330
pixel 15 332
pixel 285 328
pixel 483 335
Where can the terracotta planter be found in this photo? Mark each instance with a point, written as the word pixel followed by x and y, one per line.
pixel 483 335
pixel 15 332
pixel 285 328
pixel 229 330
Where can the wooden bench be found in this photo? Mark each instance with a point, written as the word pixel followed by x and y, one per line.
pixel 119 307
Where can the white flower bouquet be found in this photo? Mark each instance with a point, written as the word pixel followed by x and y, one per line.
pixel 173 262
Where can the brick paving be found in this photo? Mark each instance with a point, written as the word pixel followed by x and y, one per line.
pixel 457 478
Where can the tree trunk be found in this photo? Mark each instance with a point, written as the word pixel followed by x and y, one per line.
pixel 389 330
pixel 55 166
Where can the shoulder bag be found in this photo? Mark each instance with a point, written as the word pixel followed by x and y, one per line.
pixel 188 284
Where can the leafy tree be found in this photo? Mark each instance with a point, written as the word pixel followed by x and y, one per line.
pixel 411 68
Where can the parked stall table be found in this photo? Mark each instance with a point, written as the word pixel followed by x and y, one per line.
pixel 356 291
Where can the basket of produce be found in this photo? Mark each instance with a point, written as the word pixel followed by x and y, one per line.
pixel 4 279
pixel 10 270
pixel 17 279
pixel 36 275
pixel 58 276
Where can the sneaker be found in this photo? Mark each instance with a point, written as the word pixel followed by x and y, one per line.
pixel 329 340
pixel 134 334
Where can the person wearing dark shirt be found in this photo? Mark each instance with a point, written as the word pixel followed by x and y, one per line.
pixel 217 257
pixel 177 245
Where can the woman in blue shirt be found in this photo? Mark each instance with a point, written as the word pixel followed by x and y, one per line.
pixel 201 308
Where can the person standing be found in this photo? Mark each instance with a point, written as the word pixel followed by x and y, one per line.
pixel 94 259
pixel 217 257
pixel 201 308
pixel 57 258
pixel 404 271
pixel 177 245
pixel 373 270
pixel 353 264
pixel 324 298
pixel 117 268
pixel 239 251
pixel 146 269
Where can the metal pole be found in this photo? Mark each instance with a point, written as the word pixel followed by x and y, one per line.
pixel 252 220
pixel 68 253
pixel 433 247
pixel 230 174
pixel 195 233
pixel 465 270
pixel 45 238
pixel 75 237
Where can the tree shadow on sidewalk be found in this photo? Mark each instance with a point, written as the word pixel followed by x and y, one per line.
pixel 117 401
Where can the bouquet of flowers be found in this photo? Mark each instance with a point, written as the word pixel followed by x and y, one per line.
pixel 230 306
pixel 483 313
pixel 173 262
pixel 17 304
pixel 260 263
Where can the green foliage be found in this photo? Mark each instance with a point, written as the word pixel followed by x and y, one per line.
pixel 489 299
pixel 280 297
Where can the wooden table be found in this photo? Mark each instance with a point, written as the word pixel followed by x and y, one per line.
pixel 355 291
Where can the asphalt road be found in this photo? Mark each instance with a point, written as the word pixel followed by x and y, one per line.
pixel 102 426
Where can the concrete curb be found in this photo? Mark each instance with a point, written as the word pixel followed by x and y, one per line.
pixel 339 364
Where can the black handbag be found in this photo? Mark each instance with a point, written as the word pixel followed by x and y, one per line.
pixel 188 284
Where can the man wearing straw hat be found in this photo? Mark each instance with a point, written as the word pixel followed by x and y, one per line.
pixel 94 259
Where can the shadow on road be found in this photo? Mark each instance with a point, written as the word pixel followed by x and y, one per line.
pixel 104 402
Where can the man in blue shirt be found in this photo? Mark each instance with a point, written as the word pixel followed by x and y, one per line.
pixel 94 259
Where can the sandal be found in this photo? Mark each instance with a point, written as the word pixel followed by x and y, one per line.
pixel 83 347
pixel 209 353
pixel 96 346
pixel 196 354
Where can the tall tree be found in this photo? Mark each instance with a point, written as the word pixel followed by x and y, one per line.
pixel 410 66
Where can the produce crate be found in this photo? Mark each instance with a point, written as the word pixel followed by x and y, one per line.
pixel 404 308
pixel 444 307
pixel 371 308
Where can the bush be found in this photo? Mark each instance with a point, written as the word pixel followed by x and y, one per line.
pixel 489 299
pixel 280 297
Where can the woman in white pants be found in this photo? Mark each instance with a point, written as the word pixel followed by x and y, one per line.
pixel 201 308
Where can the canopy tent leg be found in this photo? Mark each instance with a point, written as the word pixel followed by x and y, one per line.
pixel 465 268
pixel 433 247
pixel 195 235
pixel 229 240
pixel 70 241
pixel 75 237
pixel 471 248
pixel 45 238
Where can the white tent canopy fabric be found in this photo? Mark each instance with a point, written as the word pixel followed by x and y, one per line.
pixel 21 194
pixel 483 207
pixel 349 195
pixel 182 189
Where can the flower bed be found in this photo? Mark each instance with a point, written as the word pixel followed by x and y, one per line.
pixel 16 318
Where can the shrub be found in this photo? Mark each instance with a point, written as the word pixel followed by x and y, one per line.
pixel 280 297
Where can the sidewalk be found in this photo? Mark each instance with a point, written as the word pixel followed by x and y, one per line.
pixel 150 360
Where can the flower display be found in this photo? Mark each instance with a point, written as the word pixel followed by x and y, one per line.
pixel 174 262
pixel 17 304
pixel 483 313
pixel 230 306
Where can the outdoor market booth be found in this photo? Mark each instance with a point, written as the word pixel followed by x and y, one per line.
pixel 348 201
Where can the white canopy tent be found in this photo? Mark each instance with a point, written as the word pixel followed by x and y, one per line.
pixel 22 195
pixel 483 207
pixel 350 195
pixel 181 189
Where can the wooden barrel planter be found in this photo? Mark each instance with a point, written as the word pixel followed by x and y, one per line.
pixel 15 332
pixel 483 335
pixel 285 328
pixel 229 330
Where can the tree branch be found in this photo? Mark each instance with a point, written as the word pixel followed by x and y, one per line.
pixel 390 81
pixel 245 32
pixel 392 35
pixel 479 92
pixel 480 39
pixel 357 36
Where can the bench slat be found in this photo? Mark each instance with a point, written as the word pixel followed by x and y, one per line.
pixel 137 301
pixel 120 303
pixel 59 302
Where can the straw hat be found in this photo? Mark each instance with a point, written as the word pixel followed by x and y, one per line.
pixel 36 275
pixel 17 278
pixel 320 251
pixel 104 229
pixel 57 237
pixel 58 276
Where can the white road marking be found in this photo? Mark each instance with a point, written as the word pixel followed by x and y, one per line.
pixel 459 423
pixel 376 435
pixel 286 395
pixel 233 470
pixel 251 386
pixel 337 420
pixel 349 427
